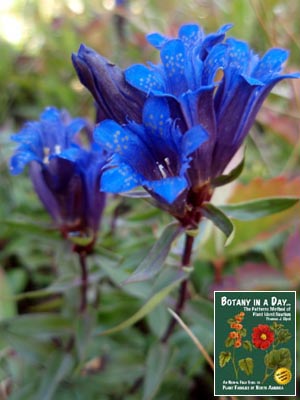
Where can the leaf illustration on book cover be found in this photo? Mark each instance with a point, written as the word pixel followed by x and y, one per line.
pixel 247 345
pixel 224 358
pixel 246 365
pixel 278 358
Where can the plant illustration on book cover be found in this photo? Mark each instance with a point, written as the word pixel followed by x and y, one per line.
pixel 264 337
pixel 235 340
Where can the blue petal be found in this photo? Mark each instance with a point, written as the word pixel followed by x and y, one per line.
pixel 238 54
pixel 29 135
pixel 214 38
pixel 19 161
pixel 51 114
pixel 190 34
pixel 108 133
pixel 217 59
pixel 173 59
pixel 115 138
pixel 157 40
pixel 74 127
pixel 120 178
pixel 252 81
pixel 198 107
pixel 193 139
pixel 169 188
pixel 224 28
pixel 143 79
pixel 156 114
pixel 73 153
pixel 270 64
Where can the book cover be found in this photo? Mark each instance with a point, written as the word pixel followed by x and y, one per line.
pixel 255 343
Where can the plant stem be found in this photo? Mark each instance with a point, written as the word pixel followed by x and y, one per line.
pixel 84 281
pixel 183 290
pixel 266 375
pixel 234 365
pixel 187 253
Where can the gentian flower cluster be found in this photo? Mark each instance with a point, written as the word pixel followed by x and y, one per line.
pixel 174 126
pixel 65 175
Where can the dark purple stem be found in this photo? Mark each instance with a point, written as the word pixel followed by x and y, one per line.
pixel 84 281
pixel 183 290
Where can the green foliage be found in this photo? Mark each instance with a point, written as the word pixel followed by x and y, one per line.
pixel 258 208
pixel 152 264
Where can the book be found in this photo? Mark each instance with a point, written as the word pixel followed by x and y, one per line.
pixel 255 343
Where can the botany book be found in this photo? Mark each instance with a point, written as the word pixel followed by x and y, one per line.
pixel 255 343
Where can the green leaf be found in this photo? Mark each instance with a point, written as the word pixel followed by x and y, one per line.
pixel 243 332
pixel 156 299
pixel 229 342
pixel 247 345
pixel 158 320
pixel 233 174
pixel 231 321
pixel 17 279
pixel 156 364
pixel 7 303
pixel 39 325
pixel 29 348
pixel 27 391
pixel 278 358
pixel 224 358
pixel 251 210
pixel 283 336
pixel 58 367
pixel 83 334
pixel 153 262
pixel 217 216
pixel 246 365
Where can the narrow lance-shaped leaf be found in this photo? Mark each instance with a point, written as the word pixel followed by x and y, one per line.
pixel 39 325
pixel 29 348
pixel 7 303
pixel 217 216
pixel 255 209
pixel 156 364
pixel 231 176
pixel 154 261
pixel 156 299
pixel 58 367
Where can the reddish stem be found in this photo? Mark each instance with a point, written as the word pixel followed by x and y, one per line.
pixel 183 290
pixel 84 281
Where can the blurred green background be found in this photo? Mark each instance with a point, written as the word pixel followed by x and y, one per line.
pixel 38 272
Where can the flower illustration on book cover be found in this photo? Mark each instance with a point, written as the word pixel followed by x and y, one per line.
pixel 236 339
pixel 265 337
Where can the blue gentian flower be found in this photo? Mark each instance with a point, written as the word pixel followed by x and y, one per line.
pixel 217 83
pixel 115 98
pixel 202 101
pixel 154 154
pixel 65 175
